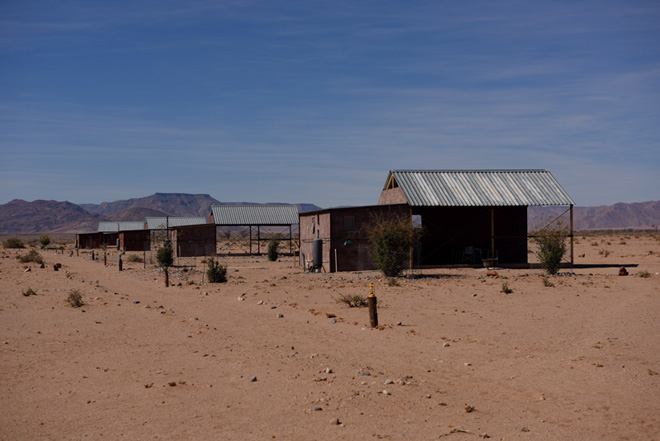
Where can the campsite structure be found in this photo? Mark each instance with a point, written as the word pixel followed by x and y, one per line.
pixel 260 218
pixel 470 217
pixel 197 236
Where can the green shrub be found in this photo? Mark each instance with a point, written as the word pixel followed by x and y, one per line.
pixel 216 272
pixel 165 255
pixel 506 289
pixel 14 242
pixel 273 252
pixel 551 241
pixel 44 241
pixel 644 274
pixel 392 238
pixel 75 298
pixel 32 256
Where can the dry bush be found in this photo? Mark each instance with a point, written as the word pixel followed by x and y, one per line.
pixel 29 292
pixel 14 242
pixel 32 256
pixel 134 258
pixel 352 300
pixel 75 298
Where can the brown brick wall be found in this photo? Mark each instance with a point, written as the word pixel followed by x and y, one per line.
pixel 392 196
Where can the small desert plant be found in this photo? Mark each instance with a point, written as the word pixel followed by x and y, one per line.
pixel 392 238
pixel 644 274
pixel 29 292
pixel 44 241
pixel 75 298
pixel 165 255
pixel 134 258
pixel 352 300
pixel 273 252
pixel 506 289
pixel 547 283
pixel 392 282
pixel 551 241
pixel 32 256
pixel 216 272
pixel 14 242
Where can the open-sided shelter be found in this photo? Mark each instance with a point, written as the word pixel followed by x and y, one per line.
pixel 256 217
pixel 474 216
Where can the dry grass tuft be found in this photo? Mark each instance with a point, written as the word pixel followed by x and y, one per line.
pixel 352 300
pixel 75 298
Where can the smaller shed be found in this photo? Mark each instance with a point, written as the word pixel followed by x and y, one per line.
pixel 132 236
pixel 257 217
pixel 89 240
pixel 342 232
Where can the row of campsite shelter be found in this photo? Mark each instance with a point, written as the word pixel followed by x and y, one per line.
pixel 193 236
pixel 469 218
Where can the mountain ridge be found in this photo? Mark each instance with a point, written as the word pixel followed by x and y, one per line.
pixel 41 216
pixel 48 216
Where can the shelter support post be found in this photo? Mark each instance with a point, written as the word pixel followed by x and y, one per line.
pixel 258 240
pixel 492 233
pixel 250 239
pixel 411 248
pixel 572 239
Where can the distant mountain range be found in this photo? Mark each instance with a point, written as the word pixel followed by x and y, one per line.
pixel 636 215
pixel 21 217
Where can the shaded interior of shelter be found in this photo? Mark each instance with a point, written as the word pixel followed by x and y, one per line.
pixel 466 235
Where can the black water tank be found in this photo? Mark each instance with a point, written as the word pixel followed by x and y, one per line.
pixel 317 253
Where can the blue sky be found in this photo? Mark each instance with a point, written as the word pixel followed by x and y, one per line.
pixel 315 101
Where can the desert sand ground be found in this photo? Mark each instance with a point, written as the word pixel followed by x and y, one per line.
pixel 271 354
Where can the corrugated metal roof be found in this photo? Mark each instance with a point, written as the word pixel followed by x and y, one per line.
pixel 108 227
pixel 115 227
pixel 162 223
pixel 466 188
pixel 255 214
